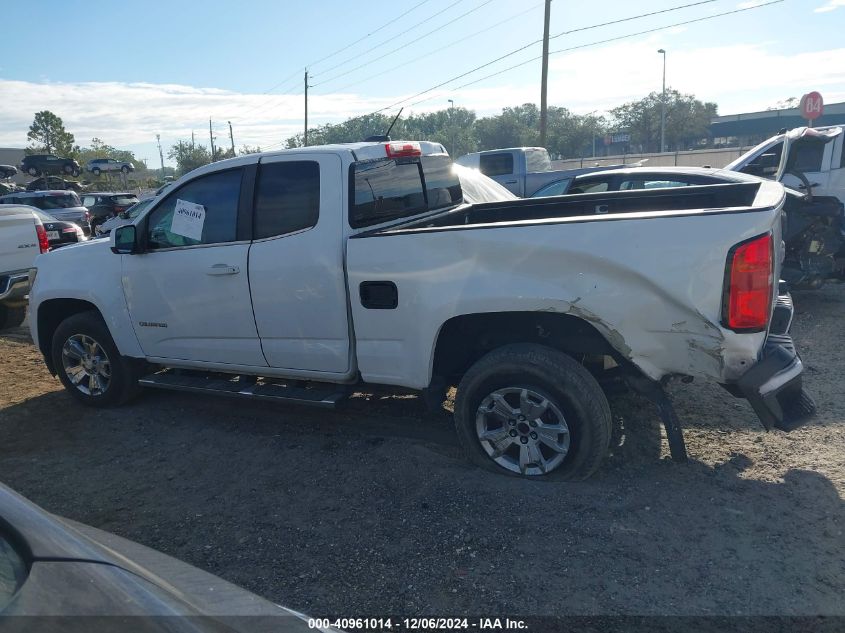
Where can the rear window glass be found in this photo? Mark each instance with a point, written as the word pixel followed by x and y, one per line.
pixel 388 189
pixel 496 164
pixel 537 160
pixel 55 201
pixel 125 201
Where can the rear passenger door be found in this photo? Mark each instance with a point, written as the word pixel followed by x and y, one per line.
pixel 296 263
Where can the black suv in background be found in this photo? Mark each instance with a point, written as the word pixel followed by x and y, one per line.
pixel 38 164
pixel 106 204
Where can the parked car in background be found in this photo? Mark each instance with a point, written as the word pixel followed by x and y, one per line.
pixel 60 575
pixel 104 205
pixel 7 171
pixel 22 239
pixel 124 217
pixel 521 170
pixel 98 165
pixel 811 160
pixel 304 274
pixel 53 182
pixel 62 205
pixel 38 164
pixel 59 232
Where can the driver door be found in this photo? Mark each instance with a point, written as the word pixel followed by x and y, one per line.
pixel 810 156
pixel 188 293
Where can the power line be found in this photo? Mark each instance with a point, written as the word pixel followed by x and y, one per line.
pixel 404 44
pixel 386 24
pixel 392 39
pixel 522 48
pixel 440 49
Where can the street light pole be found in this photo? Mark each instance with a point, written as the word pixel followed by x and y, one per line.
pixel 452 124
pixel 663 105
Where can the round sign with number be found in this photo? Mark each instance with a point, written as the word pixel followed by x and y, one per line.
pixel 812 106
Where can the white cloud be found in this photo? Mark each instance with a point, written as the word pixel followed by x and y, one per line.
pixel 830 5
pixel 740 78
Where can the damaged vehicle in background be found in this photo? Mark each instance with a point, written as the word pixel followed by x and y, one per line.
pixel 304 275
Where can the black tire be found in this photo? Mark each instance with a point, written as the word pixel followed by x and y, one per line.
pixel 32 171
pixel 124 169
pixel 75 173
pixel 568 387
pixel 95 171
pixel 123 380
pixel 11 317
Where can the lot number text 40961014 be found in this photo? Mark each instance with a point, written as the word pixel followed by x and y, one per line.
pixel 417 624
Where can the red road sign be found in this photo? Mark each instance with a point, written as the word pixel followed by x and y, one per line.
pixel 812 106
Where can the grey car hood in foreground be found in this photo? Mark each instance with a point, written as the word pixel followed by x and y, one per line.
pixel 79 578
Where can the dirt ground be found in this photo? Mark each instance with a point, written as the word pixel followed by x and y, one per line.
pixel 372 511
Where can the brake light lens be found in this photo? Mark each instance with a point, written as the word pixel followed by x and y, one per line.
pixel 750 285
pixel 43 242
pixel 399 150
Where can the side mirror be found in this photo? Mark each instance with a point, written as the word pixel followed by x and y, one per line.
pixel 124 240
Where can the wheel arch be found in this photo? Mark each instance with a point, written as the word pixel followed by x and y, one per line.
pixel 50 314
pixel 464 339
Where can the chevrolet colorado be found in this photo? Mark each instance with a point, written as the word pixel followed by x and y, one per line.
pixel 298 274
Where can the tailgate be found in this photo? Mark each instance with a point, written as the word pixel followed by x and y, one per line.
pixel 18 239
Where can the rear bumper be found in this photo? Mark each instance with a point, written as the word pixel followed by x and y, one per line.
pixel 773 386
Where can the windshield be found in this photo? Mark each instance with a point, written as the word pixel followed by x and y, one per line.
pixel 44 217
pixel 56 201
pixel 391 188
pixel 734 165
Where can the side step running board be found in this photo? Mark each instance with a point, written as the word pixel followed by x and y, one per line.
pixel 245 387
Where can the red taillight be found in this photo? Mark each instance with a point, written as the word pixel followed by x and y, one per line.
pixel 43 242
pixel 749 285
pixel 398 150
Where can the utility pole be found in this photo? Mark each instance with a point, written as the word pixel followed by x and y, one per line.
pixel 544 82
pixel 192 139
pixel 232 138
pixel 211 137
pixel 305 137
pixel 160 153
pixel 663 105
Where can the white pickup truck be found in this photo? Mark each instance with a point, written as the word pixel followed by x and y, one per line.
pixel 297 275
pixel 22 239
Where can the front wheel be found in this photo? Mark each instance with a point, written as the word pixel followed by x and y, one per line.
pixel 533 411
pixel 32 171
pixel 124 169
pixel 89 364
pixel 95 171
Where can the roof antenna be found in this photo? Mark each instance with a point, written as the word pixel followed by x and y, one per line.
pixel 379 138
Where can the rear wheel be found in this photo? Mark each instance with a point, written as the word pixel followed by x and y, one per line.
pixel 89 364
pixel 11 317
pixel 95 171
pixel 124 169
pixel 533 411
pixel 32 171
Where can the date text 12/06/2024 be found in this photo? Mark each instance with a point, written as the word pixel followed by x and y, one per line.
pixel 418 624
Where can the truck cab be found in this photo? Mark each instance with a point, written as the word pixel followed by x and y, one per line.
pixel 811 160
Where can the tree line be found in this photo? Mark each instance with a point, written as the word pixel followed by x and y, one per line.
pixel 568 135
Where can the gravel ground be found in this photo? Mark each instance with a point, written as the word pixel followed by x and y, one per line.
pixel 372 511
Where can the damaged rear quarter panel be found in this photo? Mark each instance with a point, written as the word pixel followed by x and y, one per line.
pixel 651 285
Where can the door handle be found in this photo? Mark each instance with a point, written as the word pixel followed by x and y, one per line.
pixel 223 269
pixel 510 182
pixel 812 184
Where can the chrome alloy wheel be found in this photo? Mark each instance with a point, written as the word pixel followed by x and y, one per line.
pixel 86 365
pixel 522 430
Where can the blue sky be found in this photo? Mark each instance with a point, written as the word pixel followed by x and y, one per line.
pixel 165 67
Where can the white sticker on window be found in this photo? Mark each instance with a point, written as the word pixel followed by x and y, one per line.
pixel 188 220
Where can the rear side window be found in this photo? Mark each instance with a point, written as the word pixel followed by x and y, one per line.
pixel 208 212
pixel 389 189
pixel 287 198
pixel 89 201
pixel 496 164
pixel 806 155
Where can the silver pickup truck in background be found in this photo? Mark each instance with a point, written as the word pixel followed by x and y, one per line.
pixel 22 239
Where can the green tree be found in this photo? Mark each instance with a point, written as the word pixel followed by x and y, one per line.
pixel 687 120
pixel 246 149
pixel 188 156
pixel 47 135
pixel 514 127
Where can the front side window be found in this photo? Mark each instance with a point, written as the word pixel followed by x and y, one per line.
pixel 806 155
pixel 554 189
pixel 287 198
pixel 203 211
pixel 496 164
